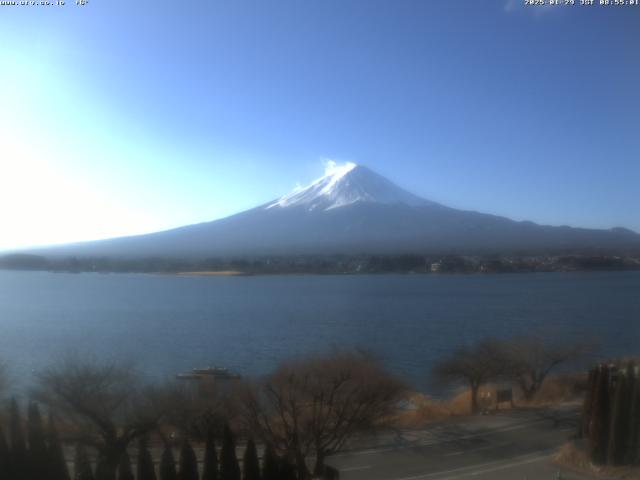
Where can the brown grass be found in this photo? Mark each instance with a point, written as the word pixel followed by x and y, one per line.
pixel 560 389
pixel 572 455
pixel 222 273
pixel 565 388
pixel 426 409
pixel 423 410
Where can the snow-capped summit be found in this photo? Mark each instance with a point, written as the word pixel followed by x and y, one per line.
pixel 347 184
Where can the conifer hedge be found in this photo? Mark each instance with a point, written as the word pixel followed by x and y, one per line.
pixel 611 414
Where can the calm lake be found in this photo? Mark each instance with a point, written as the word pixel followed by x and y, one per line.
pixel 168 324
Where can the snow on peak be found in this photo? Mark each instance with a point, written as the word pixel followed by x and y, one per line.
pixel 332 168
pixel 346 184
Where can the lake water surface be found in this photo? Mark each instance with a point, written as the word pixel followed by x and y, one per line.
pixel 168 324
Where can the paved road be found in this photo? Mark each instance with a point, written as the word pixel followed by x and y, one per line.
pixel 510 445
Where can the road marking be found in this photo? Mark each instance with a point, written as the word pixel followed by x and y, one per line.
pixel 479 449
pixel 353 469
pixel 454 454
pixel 471 469
pixel 513 464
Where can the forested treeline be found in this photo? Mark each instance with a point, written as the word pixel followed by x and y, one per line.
pixel 327 264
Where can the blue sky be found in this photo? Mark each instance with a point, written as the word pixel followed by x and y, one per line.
pixel 124 117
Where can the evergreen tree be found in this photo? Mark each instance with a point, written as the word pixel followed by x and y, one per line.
pixel 82 465
pixel 599 429
pixel 229 467
pixel 56 462
pixel 4 456
pixel 270 467
pixel 103 469
pixel 19 459
pixel 634 421
pixel 287 470
pixel 250 463
pixel 619 421
pixel 168 465
pixel 145 469
pixel 210 460
pixel 588 404
pixel 38 454
pixel 125 472
pixel 188 462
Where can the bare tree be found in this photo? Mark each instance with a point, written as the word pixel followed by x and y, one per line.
pixel 309 409
pixel 473 365
pixel 103 405
pixel 529 360
pixel 197 411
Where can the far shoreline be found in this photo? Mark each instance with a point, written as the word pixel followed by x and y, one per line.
pixel 362 264
pixel 233 273
pixel 212 273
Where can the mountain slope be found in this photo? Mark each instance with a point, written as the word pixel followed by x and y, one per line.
pixel 354 210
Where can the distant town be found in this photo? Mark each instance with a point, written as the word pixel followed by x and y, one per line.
pixel 330 264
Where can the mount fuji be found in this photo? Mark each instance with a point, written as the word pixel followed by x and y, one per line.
pixel 353 210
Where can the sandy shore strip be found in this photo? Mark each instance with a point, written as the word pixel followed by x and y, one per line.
pixel 222 273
